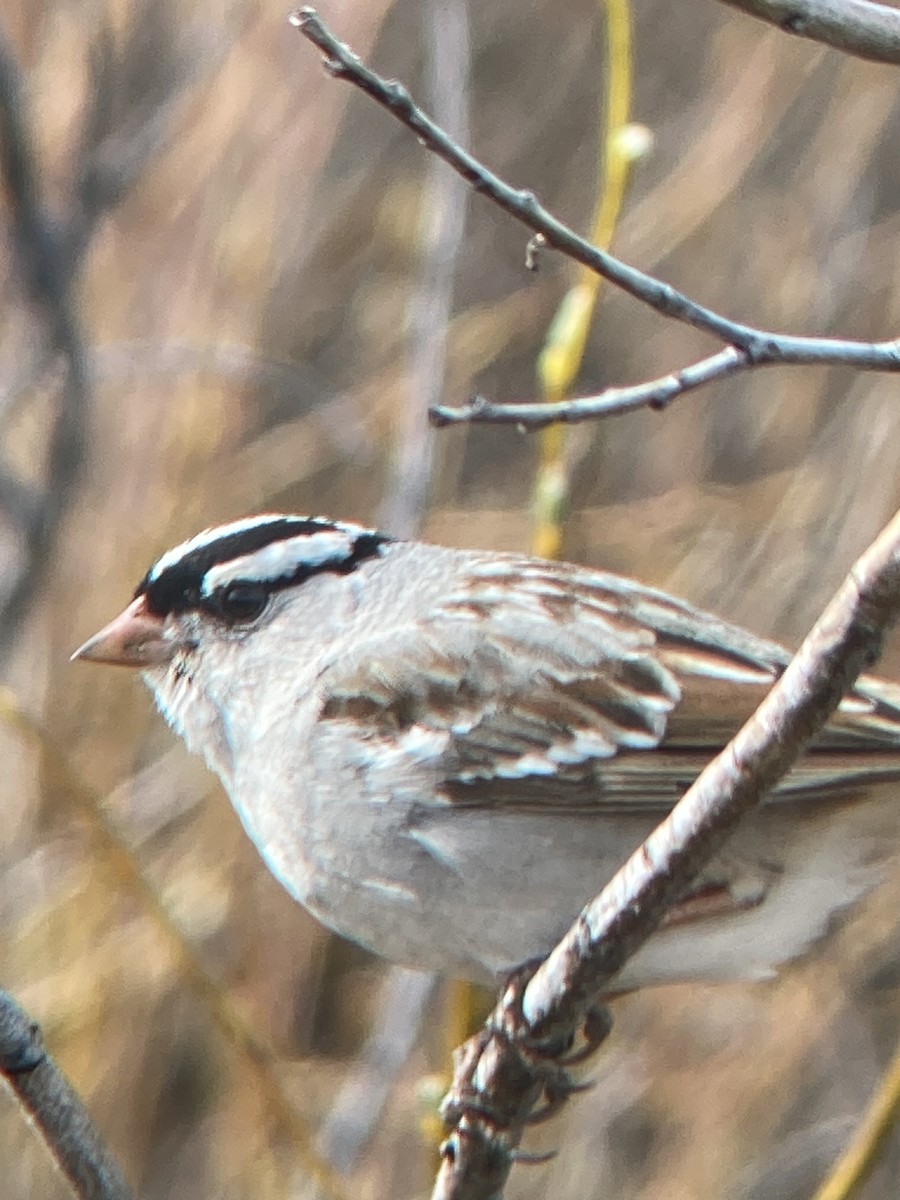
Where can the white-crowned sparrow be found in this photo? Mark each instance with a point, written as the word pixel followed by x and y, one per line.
pixel 444 753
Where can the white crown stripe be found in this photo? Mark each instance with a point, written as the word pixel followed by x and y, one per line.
pixel 282 559
pixel 171 557
pixel 216 532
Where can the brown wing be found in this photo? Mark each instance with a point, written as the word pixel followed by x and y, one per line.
pixel 542 685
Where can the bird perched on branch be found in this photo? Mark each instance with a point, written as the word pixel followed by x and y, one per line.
pixel 443 754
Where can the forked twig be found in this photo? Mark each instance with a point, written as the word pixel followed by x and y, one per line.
pixel 746 346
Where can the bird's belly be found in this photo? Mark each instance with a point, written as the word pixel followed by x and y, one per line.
pixel 475 893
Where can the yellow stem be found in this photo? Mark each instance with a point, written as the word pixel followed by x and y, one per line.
pixel 563 351
pixel 856 1161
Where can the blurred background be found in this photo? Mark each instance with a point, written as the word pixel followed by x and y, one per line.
pixel 231 283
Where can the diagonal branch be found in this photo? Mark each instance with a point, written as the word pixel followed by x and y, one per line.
pixel 522 204
pixel 504 1071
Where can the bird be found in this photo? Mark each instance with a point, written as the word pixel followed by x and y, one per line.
pixel 443 754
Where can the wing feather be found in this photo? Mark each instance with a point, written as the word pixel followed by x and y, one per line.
pixel 550 683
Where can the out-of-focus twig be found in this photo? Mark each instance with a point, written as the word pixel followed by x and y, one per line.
pixel 55 1108
pixel 867 30
pixel 116 145
pixel 747 347
pixel 47 279
pixel 503 1072
pixel 403 1003
pixel 442 221
pixel 140 83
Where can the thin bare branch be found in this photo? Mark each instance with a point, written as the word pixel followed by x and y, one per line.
pixel 503 1073
pixel 659 393
pixel 748 347
pixel 856 26
pixel 54 1107
pixel 613 401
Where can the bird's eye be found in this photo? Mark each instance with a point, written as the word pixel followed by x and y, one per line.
pixel 240 602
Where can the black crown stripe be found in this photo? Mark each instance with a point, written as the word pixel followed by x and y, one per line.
pixel 179 587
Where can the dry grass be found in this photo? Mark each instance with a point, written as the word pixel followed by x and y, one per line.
pixel 244 305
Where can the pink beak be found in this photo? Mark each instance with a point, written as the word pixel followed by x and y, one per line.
pixel 134 639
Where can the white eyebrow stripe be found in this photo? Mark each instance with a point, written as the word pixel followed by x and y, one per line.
pixel 171 557
pixel 280 560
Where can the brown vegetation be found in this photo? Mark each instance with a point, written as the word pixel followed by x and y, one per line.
pixel 244 305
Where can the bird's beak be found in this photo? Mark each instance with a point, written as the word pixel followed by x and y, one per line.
pixel 134 639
